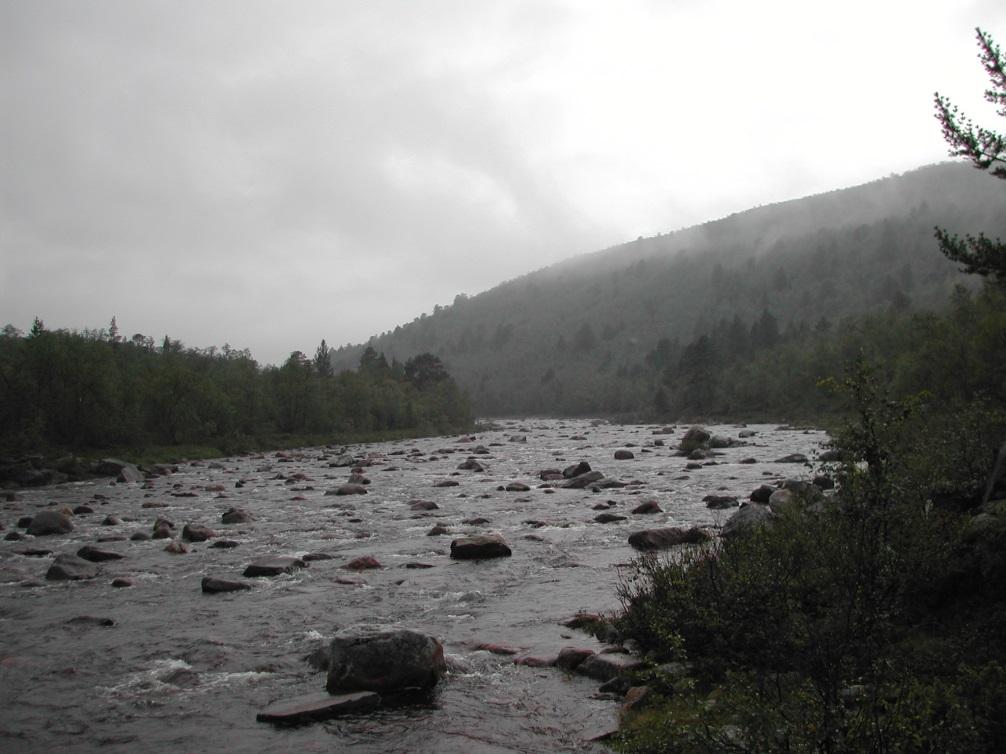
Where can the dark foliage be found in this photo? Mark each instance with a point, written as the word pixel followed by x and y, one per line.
pixel 93 389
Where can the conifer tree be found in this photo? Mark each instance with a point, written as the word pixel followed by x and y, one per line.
pixel 986 149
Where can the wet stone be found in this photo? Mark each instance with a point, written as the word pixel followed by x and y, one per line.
pixel 211 585
pixel 71 568
pixel 97 555
pixel 319 706
pixel 273 566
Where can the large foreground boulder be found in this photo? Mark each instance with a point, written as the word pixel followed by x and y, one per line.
pixel 479 547
pixel 384 659
pixel 659 539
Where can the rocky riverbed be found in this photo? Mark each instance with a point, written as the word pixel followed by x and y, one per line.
pixel 141 655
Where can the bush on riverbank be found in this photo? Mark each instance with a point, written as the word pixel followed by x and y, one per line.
pixel 870 622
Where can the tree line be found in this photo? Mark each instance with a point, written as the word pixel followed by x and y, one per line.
pixel 95 389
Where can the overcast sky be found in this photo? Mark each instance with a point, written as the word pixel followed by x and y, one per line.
pixel 268 174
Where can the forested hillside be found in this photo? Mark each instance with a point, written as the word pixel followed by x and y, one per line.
pixel 625 330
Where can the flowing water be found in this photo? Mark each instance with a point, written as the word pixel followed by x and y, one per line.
pixel 185 671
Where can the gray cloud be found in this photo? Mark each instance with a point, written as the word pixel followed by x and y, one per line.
pixel 269 174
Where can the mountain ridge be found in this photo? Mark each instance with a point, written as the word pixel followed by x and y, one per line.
pixel 589 323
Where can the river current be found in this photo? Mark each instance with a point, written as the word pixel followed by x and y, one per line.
pixel 185 671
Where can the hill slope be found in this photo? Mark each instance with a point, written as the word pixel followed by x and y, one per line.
pixel 592 334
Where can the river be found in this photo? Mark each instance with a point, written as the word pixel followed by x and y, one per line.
pixel 185 671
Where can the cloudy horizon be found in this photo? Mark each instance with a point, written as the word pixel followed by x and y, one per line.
pixel 271 174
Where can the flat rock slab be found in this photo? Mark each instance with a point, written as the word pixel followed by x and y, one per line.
pixel 605 666
pixel 273 566
pixel 320 706
pixel 480 547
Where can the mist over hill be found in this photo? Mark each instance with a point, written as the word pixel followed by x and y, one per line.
pixel 603 332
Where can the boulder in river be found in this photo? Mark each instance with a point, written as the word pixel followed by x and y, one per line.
pixel 517 487
pixel 273 566
pixel 348 489
pixel 49 522
pixel 70 568
pixel 363 563
pixel 576 470
pixel 648 507
pixel 572 657
pixel 423 505
pixel 624 455
pixel 471 465
pixel 383 659
pixel 163 529
pixel 792 458
pixel 236 516
pixel 659 539
pixel 761 494
pixel 96 555
pixel 479 547
pixel 211 585
pixel 719 502
pixel 609 518
pixel 695 437
pixel 197 533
